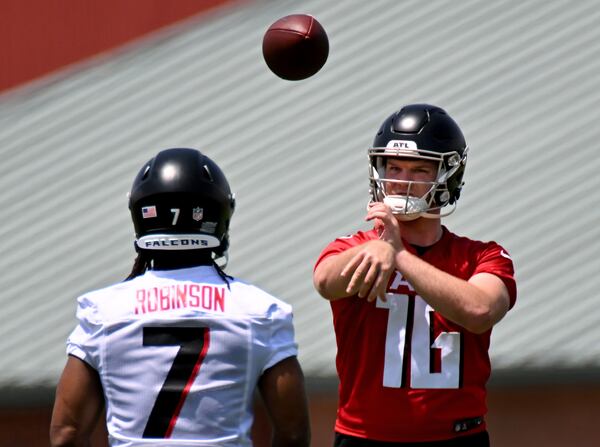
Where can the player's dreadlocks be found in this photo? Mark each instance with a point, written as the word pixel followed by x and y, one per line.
pixel 224 276
pixel 140 265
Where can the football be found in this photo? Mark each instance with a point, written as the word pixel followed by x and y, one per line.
pixel 295 47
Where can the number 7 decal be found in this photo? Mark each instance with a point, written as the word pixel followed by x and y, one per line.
pixel 193 342
pixel 175 212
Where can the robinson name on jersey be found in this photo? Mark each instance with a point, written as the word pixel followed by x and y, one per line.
pixel 178 296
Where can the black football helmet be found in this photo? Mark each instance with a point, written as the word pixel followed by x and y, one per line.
pixel 419 131
pixel 181 200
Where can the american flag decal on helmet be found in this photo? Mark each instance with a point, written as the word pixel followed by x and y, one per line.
pixel 148 212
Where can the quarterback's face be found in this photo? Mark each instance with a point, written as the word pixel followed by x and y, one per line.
pixel 422 172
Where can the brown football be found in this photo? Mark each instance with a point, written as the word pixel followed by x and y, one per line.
pixel 295 47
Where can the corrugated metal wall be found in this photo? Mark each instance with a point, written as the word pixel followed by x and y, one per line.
pixel 521 78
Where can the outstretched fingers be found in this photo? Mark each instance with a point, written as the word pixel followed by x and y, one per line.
pixel 380 286
pixel 356 269
pixel 368 281
pixel 369 273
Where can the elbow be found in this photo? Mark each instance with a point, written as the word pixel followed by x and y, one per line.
pixel 480 320
pixel 488 302
pixel 321 283
pixel 478 327
pixel 63 436
pixel 329 284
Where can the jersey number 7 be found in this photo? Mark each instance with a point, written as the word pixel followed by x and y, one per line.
pixel 193 342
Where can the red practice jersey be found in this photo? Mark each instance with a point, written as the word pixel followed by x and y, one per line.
pixel 407 374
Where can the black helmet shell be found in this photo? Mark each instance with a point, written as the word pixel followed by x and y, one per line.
pixel 182 191
pixel 430 127
pixel 433 131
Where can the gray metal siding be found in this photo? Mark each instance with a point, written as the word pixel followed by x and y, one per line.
pixel 521 78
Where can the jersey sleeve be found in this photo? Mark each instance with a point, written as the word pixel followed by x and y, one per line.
pixel 280 342
pixel 85 341
pixel 342 244
pixel 496 260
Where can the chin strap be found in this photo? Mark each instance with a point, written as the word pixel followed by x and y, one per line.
pixel 440 214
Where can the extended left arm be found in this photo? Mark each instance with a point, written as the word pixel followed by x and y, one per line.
pixel 476 304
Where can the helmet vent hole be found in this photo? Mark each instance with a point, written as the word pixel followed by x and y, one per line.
pixel 146 172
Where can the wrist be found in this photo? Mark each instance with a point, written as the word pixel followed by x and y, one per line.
pixel 400 258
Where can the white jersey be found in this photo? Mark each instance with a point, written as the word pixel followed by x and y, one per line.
pixel 179 355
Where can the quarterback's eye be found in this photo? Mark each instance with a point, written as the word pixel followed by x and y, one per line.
pixel 425 169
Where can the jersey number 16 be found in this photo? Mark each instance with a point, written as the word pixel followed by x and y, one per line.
pixel 436 361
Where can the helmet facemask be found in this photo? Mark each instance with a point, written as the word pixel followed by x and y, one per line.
pixel 409 205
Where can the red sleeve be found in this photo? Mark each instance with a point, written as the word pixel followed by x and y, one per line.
pixel 342 244
pixel 496 260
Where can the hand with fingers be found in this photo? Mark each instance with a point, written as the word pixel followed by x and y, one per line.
pixel 370 270
pixel 386 224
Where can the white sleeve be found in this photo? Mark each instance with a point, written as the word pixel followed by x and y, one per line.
pixel 85 341
pixel 281 336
